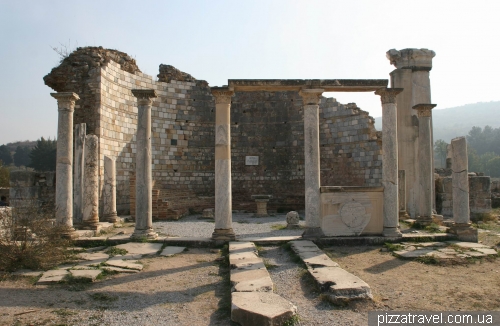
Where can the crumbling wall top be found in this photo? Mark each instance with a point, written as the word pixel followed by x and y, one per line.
pixel 83 61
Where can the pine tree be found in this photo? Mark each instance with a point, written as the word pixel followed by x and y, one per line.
pixel 43 156
pixel 22 156
pixel 5 155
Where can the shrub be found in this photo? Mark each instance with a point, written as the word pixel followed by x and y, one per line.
pixel 29 238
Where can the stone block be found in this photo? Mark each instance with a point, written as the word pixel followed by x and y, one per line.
pixel 53 276
pixel 260 309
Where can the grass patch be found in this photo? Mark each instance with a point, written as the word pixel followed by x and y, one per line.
pixel 393 246
pixel 432 228
pixel 278 227
pixel 429 260
pixel 294 320
pixel 103 297
pixel 76 284
pixel 113 251
pixel 64 312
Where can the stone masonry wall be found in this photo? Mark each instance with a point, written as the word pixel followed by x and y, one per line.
pixel 264 124
pixel 479 196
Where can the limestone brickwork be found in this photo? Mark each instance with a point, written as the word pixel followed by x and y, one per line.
pixel 265 124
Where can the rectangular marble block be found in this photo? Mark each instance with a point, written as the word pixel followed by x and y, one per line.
pixel 348 211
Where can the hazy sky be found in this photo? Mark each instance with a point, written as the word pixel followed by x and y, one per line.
pixel 219 40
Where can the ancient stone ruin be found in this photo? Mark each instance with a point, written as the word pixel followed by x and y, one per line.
pixel 219 146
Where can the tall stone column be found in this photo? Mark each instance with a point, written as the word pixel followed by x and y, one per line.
pixel 143 183
pixel 311 99
pixel 412 74
pixel 79 136
pixel 460 183
pixel 223 188
pixel 390 161
pixel 109 190
pixel 424 163
pixel 64 182
pixel 91 182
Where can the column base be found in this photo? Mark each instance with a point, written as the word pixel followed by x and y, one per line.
pixel 90 225
pixel 424 220
pixel 392 232
pixel 111 218
pixel 69 234
pixel 403 215
pixel 223 234
pixel 464 232
pixel 148 234
pixel 313 233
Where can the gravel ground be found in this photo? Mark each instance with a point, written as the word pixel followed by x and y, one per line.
pixel 244 225
pixel 293 283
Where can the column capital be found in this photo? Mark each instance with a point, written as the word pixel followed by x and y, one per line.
pixel 424 110
pixel 144 96
pixel 415 59
pixel 66 100
pixel 222 94
pixel 311 96
pixel 388 95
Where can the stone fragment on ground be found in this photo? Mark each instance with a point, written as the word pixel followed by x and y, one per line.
pixel 129 264
pixel 120 270
pixel 141 248
pixel 445 250
pixel 89 274
pixel 260 308
pixel 337 284
pixel 172 250
pixel 52 276
pixel 248 272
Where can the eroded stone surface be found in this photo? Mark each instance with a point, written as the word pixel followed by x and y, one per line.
pixel 124 264
pixel 90 274
pixel 137 248
pixel 260 309
pixel 172 250
pixel 52 276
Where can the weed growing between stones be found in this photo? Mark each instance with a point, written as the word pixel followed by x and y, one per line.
pixel 278 227
pixel 294 320
pixel 393 247
pixel 30 239
pixel 113 251
pixel 223 291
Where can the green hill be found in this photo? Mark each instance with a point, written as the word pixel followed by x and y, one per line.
pixel 454 122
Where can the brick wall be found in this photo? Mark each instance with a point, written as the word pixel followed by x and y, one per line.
pixel 264 124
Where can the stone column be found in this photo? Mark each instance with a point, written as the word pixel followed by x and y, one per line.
pixel 460 183
pixel 424 163
pixel 109 190
pixel 91 182
pixel 223 188
pixel 311 99
pixel 403 215
pixel 79 136
pixel 412 74
pixel 390 160
pixel 64 182
pixel 143 183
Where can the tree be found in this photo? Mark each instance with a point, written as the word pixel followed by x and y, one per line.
pixel 4 176
pixel 5 155
pixel 492 167
pixel 22 156
pixel 43 156
pixel 473 158
pixel 441 149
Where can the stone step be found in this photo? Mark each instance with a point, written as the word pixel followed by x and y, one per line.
pixel 338 285
pixel 252 300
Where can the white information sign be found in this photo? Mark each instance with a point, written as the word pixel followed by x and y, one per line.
pixel 251 160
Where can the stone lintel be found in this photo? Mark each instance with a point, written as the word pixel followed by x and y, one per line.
pixel 424 110
pixel 388 95
pixel 328 85
pixel 351 189
pixel 414 59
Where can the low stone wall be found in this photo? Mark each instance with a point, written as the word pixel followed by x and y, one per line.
pixel 479 196
pixel 495 193
pixel 351 211
pixel 29 185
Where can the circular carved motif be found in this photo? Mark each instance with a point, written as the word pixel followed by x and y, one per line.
pixel 353 214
